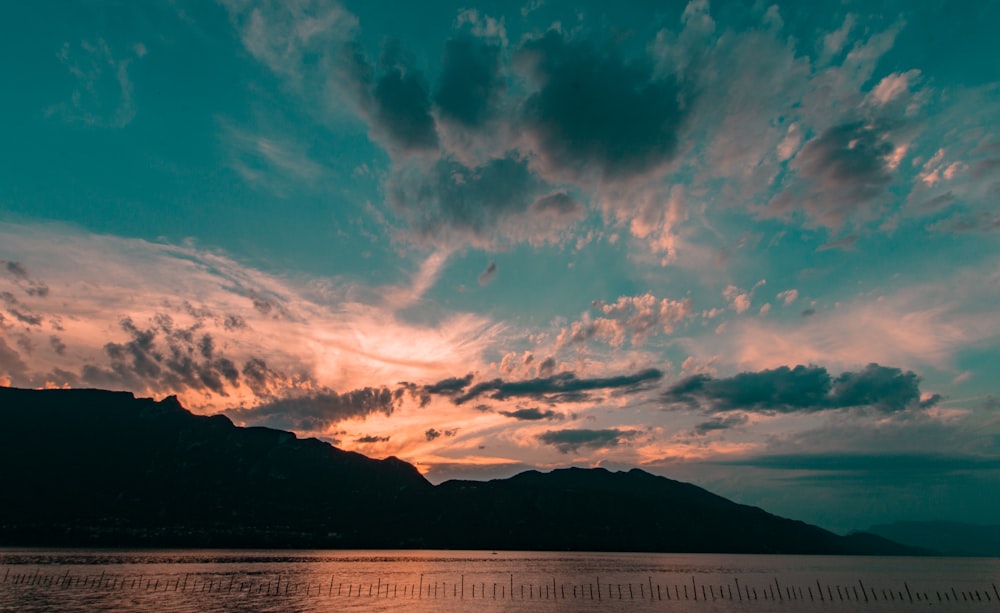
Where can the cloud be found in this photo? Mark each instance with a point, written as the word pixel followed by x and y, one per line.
pixel 594 114
pixel 487 275
pixel 720 423
pixel 471 85
pixel 57 345
pixel 392 96
pixel 739 300
pixel 572 440
pixel 370 438
pixel 273 162
pixel 11 363
pixel 965 222
pixel 842 172
pixel 19 311
pixel 532 414
pixel 433 433
pixel 185 360
pixel 17 269
pixel 802 388
pixel 402 105
pixel 29 285
pixel 846 244
pixel 103 92
pixel 293 39
pixel 635 318
pixel 788 296
pixel 120 313
pixel 562 387
pixel 317 411
pixel 502 199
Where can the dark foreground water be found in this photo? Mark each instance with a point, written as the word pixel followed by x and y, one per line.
pixel 166 580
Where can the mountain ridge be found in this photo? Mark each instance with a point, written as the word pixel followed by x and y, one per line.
pixel 100 468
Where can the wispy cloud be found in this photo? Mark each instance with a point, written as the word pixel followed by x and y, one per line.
pixel 103 95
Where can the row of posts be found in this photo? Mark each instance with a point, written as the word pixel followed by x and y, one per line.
pixel 440 589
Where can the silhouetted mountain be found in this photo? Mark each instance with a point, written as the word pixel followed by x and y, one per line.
pixel 946 537
pixel 91 467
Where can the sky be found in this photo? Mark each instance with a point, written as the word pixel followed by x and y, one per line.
pixel 751 246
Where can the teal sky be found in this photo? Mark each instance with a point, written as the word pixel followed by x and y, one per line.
pixel 751 247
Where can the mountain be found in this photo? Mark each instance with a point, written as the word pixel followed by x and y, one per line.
pixel 99 468
pixel 949 538
pixel 90 466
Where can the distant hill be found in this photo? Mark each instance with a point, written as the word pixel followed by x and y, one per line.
pixel 98 468
pixel 949 538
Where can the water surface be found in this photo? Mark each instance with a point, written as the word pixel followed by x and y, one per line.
pixel 37 580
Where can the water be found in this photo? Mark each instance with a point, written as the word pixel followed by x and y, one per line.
pixel 45 580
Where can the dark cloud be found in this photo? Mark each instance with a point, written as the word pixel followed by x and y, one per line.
pixel 487 275
pixel 567 441
pixel 842 171
pixel 10 361
pixel 395 101
pixel 808 312
pixel 971 221
pixel 30 286
pixel 450 386
pixel 595 112
pixel 167 357
pixel 234 322
pixel 259 377
pixel 402 106
pixel 471 83
pixel 57 345
pixel 17 270
pixel 803 388
pixel 198 313
pixel 563 387
pixel 433 433
pixel 533 414
pixel 474 201
pixel 19 311
pixel 263 304
pixel 25 343
pixel 318 410
pixel 547 367
pixel 558 204
pixel 372 439
pixel 888 389
pixel 720 423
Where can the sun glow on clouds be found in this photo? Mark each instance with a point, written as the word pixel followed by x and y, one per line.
pixel 309 336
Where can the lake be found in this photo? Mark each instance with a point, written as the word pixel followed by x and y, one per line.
pixel 49 580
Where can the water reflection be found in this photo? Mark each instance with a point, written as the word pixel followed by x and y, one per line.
pixel 124 580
